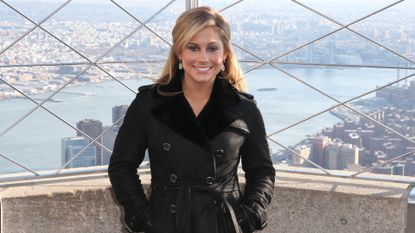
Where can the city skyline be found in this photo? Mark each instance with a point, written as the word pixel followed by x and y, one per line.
pixel 267 35
pixel 345 48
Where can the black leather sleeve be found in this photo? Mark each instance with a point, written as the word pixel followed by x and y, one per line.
pixel 128 153
pixel 259 170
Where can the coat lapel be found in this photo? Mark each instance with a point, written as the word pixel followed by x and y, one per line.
pixel 176 112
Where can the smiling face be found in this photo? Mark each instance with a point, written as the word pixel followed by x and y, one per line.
pixel 202 57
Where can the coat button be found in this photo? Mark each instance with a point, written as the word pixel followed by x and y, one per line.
pixel 172 208
pixel 219 153
pixel 173 178
pixel 210 180
pixel 166 146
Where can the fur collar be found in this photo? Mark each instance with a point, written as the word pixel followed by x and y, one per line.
pixel 217 114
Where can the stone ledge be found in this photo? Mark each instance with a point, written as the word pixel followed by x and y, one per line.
pixel 302 203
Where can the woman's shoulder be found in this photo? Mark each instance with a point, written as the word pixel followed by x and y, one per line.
pixel 246 97
pixel 248 103
pixel 146 91
pixel 146 88
pixel 144 96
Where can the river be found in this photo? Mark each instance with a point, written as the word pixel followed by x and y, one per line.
pixel 36 141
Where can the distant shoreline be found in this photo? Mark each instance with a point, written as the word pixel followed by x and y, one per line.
pixel 36 96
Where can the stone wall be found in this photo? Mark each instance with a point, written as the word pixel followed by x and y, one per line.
pixel 302 203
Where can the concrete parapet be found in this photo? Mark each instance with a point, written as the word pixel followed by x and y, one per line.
pixel 316 204
pixel 302 203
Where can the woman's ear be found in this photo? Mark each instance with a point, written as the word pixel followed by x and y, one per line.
pixel 225 55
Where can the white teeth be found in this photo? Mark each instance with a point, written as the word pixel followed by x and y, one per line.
pixel 202 68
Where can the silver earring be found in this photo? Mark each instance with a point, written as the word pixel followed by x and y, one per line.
pixel 222 67
pixel 180 66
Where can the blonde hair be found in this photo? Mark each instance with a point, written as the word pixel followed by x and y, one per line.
pixel 187 26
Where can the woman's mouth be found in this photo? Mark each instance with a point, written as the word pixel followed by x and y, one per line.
pixel 202 69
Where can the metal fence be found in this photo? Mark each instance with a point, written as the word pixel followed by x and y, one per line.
pixel 252 61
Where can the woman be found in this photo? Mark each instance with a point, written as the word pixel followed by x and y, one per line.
pixel 197 125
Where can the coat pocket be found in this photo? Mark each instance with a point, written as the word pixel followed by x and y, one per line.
pixel 241 217
pixel 163 215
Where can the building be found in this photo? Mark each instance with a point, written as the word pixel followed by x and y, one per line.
pixel 366 135
pixel 304 151
pixel 330 156
pixel 339 155
pixel 355 139
pixel 409 167
pixel 375 144
pixel 380 156
pixel 108 140
pixel 383 170
pixel 72 146
pixel 349 124
pixel 118 112
pixel 92 128
pixel 327 131
pixel 348 155
pixel 318 143
pixel 398 169
pixel 339 130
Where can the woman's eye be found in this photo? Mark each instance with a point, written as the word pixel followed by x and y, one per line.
pixel 193 48
pixel 213 49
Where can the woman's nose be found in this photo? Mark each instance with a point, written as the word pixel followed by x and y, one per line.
pixel 203 56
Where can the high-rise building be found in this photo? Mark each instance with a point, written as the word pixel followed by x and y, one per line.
pixel 327 131
pixel 339 155
pixel 304 151
pixel 339 130
pixel 348 154
pixel 92 128
pixel 118 112
pixel 355 139
pixel 375 144
pixel 366 135
pixel 108 140
pixel 347 133
pixel 365 157
pixel 330 156
pixel 349 124
pixel 72 146
pixel 318 143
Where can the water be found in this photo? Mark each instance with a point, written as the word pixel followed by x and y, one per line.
pixel 36 141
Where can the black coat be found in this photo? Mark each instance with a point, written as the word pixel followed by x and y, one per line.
pixel 194 162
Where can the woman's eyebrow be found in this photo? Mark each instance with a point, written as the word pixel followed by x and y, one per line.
pixel 210 43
